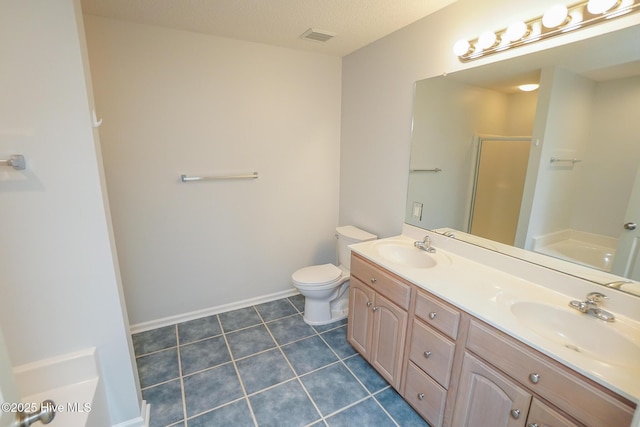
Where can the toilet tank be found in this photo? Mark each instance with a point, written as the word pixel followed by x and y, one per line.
pixel 348 235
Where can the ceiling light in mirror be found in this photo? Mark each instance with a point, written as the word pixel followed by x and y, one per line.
pixel 529 87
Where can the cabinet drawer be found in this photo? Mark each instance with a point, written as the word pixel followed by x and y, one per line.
pixel 563 387
pixel 438 315
pixel 381 281
pixel 432 352
pixel 425 395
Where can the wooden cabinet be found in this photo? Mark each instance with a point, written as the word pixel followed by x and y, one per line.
pixel 571 393
pixel 431 354
pixel 488 398
pixel 456 370
pixel 541 415
pixel 377 324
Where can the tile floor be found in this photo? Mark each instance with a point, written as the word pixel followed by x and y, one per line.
pixel 262 366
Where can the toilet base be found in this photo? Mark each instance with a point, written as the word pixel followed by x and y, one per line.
pixel 323 312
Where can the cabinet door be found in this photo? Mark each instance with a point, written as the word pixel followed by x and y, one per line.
pixel 361 299
pixel 487 398
pixel 541 415
pixel 389 334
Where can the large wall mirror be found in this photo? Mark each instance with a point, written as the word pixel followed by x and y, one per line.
pixel 554 171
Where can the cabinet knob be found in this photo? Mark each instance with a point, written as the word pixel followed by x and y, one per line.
pixel 515 413
pixel 374 280
pixel 374 308
pixel 432 315
pixel 368 303
pixel 534 378
pixel 427 354
pixel 420 396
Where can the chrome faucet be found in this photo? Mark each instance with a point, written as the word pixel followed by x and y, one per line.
pixel 591 306
pixel 425 244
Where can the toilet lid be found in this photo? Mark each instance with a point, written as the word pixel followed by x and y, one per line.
pixel 317 274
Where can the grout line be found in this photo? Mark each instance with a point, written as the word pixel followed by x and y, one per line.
pixel 184 398
pixel 296 377
pixel 235 366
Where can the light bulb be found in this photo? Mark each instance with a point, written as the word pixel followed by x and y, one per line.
pixel 598 7
pixel 462 47
pixel 487 40
pixel 555 16
pixel 516 30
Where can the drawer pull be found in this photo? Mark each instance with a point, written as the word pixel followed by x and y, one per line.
pixel 432 315
pixel 420 396
pixel 427 354
pixel 374 308
pixel 515 413
pixel 374 280
pixel 534 378
pixel 368 303
pixel 532 425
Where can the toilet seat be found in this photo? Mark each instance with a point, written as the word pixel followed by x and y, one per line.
pixel 317 276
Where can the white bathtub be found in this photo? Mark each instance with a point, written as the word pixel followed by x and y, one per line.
pixel 72 382
pixel 586 249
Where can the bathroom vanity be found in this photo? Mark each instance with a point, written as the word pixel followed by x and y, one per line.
pixel 472 337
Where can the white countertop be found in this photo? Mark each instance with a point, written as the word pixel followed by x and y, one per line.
pixel 485 284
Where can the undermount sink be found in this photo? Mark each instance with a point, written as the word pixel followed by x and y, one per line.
pixel 405 255
pixel 579 332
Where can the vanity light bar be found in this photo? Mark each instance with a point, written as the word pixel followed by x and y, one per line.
pixel 558 19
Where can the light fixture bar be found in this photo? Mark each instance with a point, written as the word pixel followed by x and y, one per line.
pixel 579 15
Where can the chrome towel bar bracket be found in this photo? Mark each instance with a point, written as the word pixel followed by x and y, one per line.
pixel 16 161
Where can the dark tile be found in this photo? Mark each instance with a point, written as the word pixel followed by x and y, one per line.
pixel 329 326
pixel 290 329
pixel 204 354
pixel 154 340
pixel 249 341
pixel 234 414
pixel 298 301
pixel 166 403
pixel 238 319
pixel 198 329
pixel 286 405
pixel 333 388
pixel 368 376
pixel 366 413
pixel 399 409
pixel 263 370
pixel 337 340
pixel 158 367
pixel 309 354
pixel 276 309
pixel 211 388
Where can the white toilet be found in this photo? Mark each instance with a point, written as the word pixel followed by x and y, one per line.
pixel 326 287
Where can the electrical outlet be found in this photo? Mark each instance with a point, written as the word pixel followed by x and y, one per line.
pixel 417 211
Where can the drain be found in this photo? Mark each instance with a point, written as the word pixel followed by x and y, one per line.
pixel 572 347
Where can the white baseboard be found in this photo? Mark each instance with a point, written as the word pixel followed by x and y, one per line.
pixel 141 421
pixel 172 320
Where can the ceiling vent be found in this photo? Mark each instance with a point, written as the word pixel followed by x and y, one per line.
pixel 316 35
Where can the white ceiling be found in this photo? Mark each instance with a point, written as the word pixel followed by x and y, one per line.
pixel 356 23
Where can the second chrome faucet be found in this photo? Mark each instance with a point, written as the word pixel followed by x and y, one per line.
pixel 591 306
